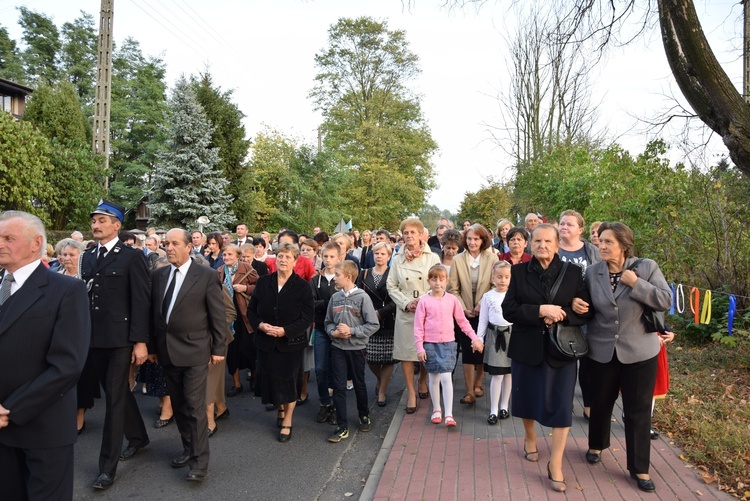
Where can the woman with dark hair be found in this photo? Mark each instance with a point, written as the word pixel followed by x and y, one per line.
pixel 575 249
pixel 542 387
pixel 623 350
pixel 380 345
pixel 517 241
pixel 280 312
pixel 214 244
pixel 470 279
pixel 451 243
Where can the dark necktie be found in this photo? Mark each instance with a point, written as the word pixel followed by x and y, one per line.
pixel 102 253
pixel 168 296
pixel 5 287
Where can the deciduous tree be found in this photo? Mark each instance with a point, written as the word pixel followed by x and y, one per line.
pixel 11 66
pixel 78 55
pixel 56 112
pixel 42 39
pixel 24 167
pixel 490 203
pixel 374 127
pixel 137 114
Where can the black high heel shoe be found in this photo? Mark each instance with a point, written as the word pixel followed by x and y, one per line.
pixel 557 485
pixel 285 437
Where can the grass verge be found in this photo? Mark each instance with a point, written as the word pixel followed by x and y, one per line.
pixel 707 412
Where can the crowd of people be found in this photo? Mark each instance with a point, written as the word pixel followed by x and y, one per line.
pixel 181 311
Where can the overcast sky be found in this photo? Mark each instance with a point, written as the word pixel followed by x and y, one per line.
pixel 264 50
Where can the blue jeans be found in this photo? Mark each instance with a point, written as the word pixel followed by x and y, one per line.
pixel 322 351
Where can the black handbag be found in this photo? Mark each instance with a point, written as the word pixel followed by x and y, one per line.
pixel 654 319
pixel 566 343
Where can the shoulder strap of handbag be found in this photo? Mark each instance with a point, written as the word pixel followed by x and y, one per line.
pixel 246 275
pixel 635 264
pixel 557 283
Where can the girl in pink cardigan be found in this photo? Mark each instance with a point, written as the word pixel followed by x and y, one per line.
pixel 436 342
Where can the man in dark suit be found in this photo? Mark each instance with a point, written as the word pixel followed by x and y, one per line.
pixel 118 281
pixel 44 339
pixel 242 237
pixel 198 240
pixel 188 331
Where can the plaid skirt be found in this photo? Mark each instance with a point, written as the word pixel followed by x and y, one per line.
pixel 380 348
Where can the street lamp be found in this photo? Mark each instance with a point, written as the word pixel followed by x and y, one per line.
pixel 202 221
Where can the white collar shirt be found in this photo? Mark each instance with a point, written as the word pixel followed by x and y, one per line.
pixel 179 279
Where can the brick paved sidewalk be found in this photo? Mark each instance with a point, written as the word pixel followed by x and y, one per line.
pixel 423 461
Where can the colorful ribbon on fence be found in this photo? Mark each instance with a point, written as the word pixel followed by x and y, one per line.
pixel 695 303
pixel 680 294
pixel 674 298
pixel 706 311
pixel 730 313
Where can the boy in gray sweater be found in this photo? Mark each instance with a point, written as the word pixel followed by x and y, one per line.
pixel 350 321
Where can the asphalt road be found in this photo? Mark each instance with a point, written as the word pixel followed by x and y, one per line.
pixel 247 462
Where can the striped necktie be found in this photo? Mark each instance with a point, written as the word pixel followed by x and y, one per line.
pixel 5 287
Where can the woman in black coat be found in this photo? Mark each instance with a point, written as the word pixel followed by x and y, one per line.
pixel 380 345
pixel 542 392
pixel 280 313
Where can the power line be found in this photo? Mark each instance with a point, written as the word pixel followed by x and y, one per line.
pixel 202 25
pixel 209 26
pixel 192 47
pixel 196 50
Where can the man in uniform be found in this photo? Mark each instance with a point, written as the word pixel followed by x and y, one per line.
pixel 117 278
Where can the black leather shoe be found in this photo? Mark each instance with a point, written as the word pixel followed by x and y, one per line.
pixel 211 432
pixel 104 481
pixel 181 461
pixel 196 475
pixel 644 485
pixel 131 450
pixel 161 423
pixel 223 415
pixel 504 414
pixel 492 419
pixel 593 457
pixel 654 434
pixel 236 390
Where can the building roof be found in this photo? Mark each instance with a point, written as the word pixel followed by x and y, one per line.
pixel 9 84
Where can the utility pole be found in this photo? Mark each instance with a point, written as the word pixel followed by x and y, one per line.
pixel 746 52
pixel 103 86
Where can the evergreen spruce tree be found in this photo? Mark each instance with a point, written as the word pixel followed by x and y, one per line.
pixel 187 182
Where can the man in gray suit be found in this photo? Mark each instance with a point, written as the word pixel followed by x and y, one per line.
pixel 188 331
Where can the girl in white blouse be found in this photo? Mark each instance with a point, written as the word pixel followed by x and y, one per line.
pixel 494 331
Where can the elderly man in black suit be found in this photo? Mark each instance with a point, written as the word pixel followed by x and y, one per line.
pixel 44 339
pixel 188 331
pixel 117 278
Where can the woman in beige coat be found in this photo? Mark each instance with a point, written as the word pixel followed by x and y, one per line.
pixel 470 278
pixel 407 281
